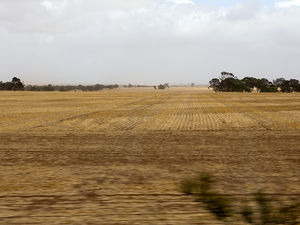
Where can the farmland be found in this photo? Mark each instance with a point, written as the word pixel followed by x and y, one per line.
pixel 116 157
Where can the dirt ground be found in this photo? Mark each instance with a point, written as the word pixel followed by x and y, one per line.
pixel 117 157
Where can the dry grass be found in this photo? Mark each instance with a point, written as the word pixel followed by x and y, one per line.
pixel 115 157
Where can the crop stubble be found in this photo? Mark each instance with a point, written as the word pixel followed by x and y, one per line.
pixel 115 157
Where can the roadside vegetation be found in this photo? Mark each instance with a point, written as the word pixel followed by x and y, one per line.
pixel 258 209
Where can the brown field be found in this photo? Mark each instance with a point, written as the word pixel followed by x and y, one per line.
pixel 116 157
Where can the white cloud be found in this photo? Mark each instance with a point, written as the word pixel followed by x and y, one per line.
pixel 182 2
pixel 56 5
pixel 48 5
pixel 287 3
pixel 113 4
pixel 244 10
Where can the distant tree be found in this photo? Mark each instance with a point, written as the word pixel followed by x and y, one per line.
pixel 284 85
pixel 110 87
pixel 83 88
pixel 17 84
pixel 278 82
pixel 239 86
pixel 192 84
pixel 48 87
pixel 98 87
pixel 8 86
pixel 62 88
pixel 215 84
pixel 295 85
pixel 250 83
pixel 227 82
pixel 89 88
pixel 130 85
pixel 225 75
pixel 14 81
pixel 32 88
pixel 2 86
pixel 264 85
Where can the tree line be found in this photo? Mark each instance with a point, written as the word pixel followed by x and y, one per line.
pixel 50 87
pixel 228 82
pixel 15 84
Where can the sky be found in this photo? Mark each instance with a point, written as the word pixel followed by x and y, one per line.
pixel 147 41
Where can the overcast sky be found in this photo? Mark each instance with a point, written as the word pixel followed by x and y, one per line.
pixel 147 41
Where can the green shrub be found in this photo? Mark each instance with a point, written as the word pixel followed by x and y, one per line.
pixel 265 207
pixel 205 183
pixel 218 205
pixel 201 188
pixel 247 213
pixel 188 186
pixel 289 214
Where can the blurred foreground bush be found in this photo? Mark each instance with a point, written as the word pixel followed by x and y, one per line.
pixel 260 209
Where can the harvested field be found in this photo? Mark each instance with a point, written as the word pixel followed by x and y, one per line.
pixel 116 157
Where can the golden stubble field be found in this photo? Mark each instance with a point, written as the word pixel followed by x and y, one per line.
pixel 116 157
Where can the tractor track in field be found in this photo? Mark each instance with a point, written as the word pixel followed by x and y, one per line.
pixel 88 113
pixel 144 113
pixel 285 118
pixel 271 118
pixel 247 111
pixel 228 116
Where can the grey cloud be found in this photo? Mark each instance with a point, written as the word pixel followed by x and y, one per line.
pixel 145 42
pixel 92 5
